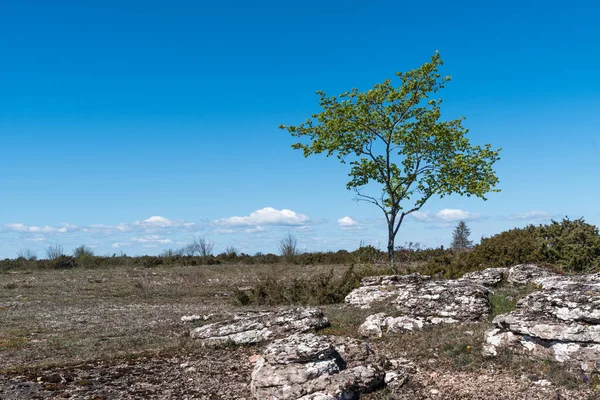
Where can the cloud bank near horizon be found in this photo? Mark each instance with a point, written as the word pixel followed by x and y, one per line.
pixel 257 230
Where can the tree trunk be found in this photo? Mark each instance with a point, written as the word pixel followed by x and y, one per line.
pixel 390 246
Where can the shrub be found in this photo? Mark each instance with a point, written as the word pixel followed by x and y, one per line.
pixel 324 288
pixel 54 252
pixel 288 247
pixel 367 254
pixel 572 245
pixel 63 262
pixel 82 251
pixel 569 245
pixel 515 246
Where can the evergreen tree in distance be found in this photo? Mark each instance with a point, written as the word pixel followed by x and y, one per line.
pixel 460 237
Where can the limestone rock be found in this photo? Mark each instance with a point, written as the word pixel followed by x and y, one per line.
pixel 525 274
pixel 490 277
pixel 560 322
pixel 311 367
pixel 375 325
pixel 444 301
pixel 418 297
pixel 384 280
pixel 397 373
pixel 380 288
pixel 255 327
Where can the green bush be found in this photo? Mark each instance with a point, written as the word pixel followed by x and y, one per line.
pixel 515 246
pixel 572 245
pixel 569 246
pixel 63 262
pixel 325 288
pixel 367 254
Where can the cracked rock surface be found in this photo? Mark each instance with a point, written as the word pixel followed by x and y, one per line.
pixel 560 322
pixel 419 301
pixel 308 366
pixel 255 327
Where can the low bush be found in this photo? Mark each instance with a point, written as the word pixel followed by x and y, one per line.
pixel 324 288
pixel 568 246
pixel 63 262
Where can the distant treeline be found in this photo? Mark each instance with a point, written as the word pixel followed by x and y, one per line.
pixel 568 246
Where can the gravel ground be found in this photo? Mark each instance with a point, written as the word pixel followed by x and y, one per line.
pixel 117 334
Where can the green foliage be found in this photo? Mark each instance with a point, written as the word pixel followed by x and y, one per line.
pixel 367 254
pixel 325 288
pixel 504 299
pixel 82 251
pixel 394 137
pixel 569 246
pixel 63 262
pixel 572 245
pixel 515 246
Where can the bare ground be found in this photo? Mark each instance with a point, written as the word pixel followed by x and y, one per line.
pixel 117 334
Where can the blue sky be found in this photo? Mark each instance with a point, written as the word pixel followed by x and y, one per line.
pixel 134 126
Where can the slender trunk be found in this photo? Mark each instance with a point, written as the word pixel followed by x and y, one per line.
pixel 390 246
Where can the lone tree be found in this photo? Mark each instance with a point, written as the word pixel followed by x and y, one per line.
pixel 460 237
pixel 395 142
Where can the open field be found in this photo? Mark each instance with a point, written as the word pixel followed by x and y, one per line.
pixel 116 333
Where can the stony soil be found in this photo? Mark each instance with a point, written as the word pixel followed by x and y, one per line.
pixel 117 334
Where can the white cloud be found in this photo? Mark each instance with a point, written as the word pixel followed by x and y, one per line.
pixel 157 222
pixel 453 215
pixel 346 222
pixel 255 229
pixel 530 216
pixel 266 216
pixel 444 217
pixel 422 216
pixel 151 239
pixel 118 245
pixel 101 228
pixel 17 227
pixel 36 239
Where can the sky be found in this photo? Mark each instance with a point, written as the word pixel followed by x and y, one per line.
pixel 135 126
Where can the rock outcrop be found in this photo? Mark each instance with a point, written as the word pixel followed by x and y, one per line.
pixel 490 277
pixel 377 324
pixel 309 366
pixel 560 322
pixel 528 274
pixel 381 288
pixel 255 327
pixel 417 300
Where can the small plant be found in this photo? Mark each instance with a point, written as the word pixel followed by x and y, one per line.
pixel 325 288
pixel 83 251
pixel 288 247
pixel 231 251
pixel 367 254
pixel 27 254
pixel 63 262
pixel 54 251
pixel 504 299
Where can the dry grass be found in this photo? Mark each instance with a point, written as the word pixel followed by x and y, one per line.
pixel 65 316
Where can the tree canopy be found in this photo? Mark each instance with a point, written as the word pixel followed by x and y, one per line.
pixel 394 137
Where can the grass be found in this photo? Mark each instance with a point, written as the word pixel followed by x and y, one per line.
pixel 504 299
pixel 74 315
